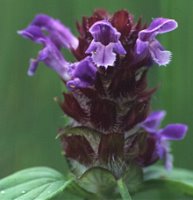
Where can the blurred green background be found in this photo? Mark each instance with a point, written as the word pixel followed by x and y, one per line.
pixel 29 117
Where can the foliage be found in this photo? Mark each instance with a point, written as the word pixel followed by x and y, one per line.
pixel 42 183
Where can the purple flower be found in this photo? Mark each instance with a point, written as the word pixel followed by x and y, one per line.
pixel 58 33
pixel 50 54
pixel 147 43
pixel 162 136
pixel 105 44
pixel 78 75
pixel 82 74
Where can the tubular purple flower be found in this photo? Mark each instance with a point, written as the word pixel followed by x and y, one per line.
pixel 105 44
pixel 50 54
pixel 58 33
pixel 147 43
pixel 78 75
pixel 162 136
pixel 83 74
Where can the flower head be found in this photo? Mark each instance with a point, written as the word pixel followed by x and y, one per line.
pixel 108 97
pixel 147 43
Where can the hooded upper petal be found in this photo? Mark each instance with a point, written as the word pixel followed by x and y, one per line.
pixel 153 121
pixel 58 33
pixel 102 31
pixel 158 26
pixel 163 25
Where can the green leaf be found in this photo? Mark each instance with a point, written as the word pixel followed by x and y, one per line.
pixel 161 184
pixel 123 190
pixel 159 191
pixel 38 183
pixel 100 182
pixel 179 179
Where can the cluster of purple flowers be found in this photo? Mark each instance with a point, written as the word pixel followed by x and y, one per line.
pixel 107 89
pixel 101 51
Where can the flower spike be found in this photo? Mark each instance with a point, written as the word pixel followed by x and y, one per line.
pixel 107 94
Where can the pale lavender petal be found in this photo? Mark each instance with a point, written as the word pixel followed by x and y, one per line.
pixel 105 44
pixel 174 132
pixel 52 57
pixel 83 74
pixel 58 33
pixel 104 55
pixel 141 46
pixel 159 55
pixel 153 121
pixel 118 48
pixel 92 47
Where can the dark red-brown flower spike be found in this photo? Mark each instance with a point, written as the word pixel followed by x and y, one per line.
pixel 107 86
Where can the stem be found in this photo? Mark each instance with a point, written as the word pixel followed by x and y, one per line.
pixel 123 190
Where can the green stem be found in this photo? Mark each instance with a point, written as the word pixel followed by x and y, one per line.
pixel 123 190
